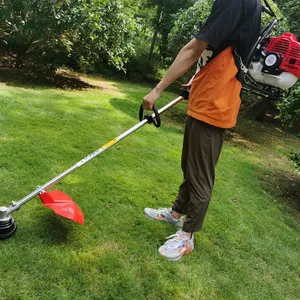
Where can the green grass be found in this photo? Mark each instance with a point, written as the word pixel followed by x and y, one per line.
pixel 249 246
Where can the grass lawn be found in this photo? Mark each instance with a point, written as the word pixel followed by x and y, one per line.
pixel 248 248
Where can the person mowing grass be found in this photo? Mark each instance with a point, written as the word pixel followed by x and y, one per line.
pixel 231 30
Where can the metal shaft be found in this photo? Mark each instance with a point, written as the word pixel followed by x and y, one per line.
pixel 16 205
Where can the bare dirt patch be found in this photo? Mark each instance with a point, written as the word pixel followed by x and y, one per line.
pixel 21 78
pixel 285 185
pixel 92 81
pixel 271 144
pixel 238 140
pixel 63 79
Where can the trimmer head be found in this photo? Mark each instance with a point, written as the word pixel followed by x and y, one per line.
pixel 56 200
pixel 7 224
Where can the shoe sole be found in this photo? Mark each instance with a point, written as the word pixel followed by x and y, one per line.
pixel 188 251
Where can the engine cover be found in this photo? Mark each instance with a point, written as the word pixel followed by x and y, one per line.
pixel 288 47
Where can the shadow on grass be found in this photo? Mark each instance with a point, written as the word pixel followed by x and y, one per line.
pixel 15 77
pixel 56 230
pixel 129 107
pixel 263 133
pixel 132 108
pixel 284 185
pixel 271 143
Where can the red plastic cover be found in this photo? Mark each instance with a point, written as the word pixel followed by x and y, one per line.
pixel 288 46
pixel 62 205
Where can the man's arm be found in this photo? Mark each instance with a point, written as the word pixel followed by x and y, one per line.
pixel 187 56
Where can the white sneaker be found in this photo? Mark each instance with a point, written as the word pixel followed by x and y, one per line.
pixel 163 214
pixel 178 245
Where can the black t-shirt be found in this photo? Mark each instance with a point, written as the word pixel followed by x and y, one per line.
pixel 231 23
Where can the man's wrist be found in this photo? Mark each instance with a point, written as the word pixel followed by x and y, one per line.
pixel 159 88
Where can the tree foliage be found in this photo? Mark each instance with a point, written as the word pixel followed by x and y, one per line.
pixel 290 109
pixel 31 29
pixel 48 33
pixel 187 23
pixel 164 21
pixel 102 32
pixel 291 11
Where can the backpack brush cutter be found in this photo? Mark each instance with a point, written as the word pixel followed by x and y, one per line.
pixel 271 69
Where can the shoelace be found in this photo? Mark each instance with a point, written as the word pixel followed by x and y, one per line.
pixel 162 210
pixel 174 240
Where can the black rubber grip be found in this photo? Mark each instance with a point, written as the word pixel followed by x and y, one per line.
pixel 156 121
pixel 185 93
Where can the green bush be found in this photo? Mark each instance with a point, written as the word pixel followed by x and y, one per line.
pixel 295 157
pixel 140 67
pixel 290 109
pixel 45 35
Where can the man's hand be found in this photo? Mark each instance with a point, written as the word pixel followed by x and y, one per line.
pixel 151 98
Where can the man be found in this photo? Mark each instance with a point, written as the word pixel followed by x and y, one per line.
pixel 232 27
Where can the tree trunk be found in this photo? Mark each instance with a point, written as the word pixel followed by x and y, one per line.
pixel 156 30
pixel 19 61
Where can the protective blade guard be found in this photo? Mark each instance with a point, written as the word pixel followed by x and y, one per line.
pixel 62 205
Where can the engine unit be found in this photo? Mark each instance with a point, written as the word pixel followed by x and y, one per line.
pixel 279 63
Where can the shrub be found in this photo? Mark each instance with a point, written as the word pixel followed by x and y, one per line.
pixel 290 109
pixel 295 157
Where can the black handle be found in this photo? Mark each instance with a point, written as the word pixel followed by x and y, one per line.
pixel 155 121
pixel 185 93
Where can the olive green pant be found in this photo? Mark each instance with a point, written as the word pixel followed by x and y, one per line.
pixel 202 146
